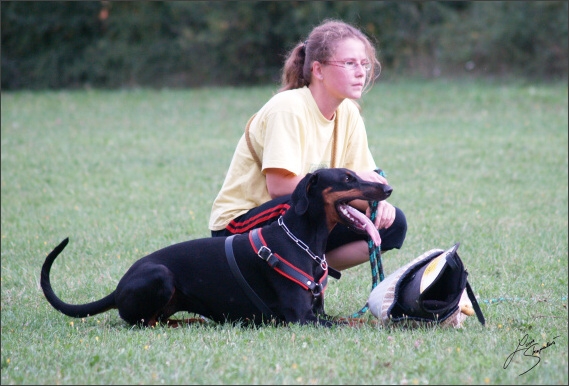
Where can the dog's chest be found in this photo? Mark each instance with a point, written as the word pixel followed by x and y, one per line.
pixel 278 262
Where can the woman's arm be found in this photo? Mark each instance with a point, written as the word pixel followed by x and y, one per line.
pixel 281 182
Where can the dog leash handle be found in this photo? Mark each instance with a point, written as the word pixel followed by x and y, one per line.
pixel 475 304
pixel 374 254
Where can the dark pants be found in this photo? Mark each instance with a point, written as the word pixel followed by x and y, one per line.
pixel 270 211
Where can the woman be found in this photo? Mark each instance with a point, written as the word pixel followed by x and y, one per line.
pixel 313 122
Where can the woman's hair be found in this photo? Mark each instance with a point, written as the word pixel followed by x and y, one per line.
pixel 320 46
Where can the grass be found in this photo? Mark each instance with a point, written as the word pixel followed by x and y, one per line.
pixel 123 173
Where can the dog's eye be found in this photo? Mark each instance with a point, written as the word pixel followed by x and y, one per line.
pixel 348 178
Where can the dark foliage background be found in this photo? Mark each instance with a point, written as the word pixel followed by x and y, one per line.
pixel 106 44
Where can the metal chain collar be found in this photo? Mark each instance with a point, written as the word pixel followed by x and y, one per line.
pixel 322 261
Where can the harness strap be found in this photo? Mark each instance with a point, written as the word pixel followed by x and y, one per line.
pixel 475 304
pixel 334 273
pixel 241 280
pixel 284 267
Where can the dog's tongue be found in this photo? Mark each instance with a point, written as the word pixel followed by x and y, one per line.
pixel 367 224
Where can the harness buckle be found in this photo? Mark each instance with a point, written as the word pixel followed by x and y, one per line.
pixel 264 253
pixel 317 290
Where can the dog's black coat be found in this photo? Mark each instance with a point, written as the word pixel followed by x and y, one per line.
pixel 194 276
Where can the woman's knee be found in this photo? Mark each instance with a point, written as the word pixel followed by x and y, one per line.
pixel 394 236
pixel 400 221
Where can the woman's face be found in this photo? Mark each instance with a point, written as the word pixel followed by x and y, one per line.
pixel 344 74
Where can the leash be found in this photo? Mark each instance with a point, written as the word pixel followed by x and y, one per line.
pixel 377 274
pixel 507 299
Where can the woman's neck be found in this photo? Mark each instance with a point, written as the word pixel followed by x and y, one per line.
pixel 326 104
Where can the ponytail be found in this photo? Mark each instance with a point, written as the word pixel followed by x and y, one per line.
pixel 293 70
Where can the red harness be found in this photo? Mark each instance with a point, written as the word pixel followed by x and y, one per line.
pixel 285 268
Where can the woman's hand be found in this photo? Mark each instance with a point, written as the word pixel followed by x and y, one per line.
pixel 385 215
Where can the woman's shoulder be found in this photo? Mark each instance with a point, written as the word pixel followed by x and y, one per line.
pixel 349 111
pixel 350 106
pixel 289 100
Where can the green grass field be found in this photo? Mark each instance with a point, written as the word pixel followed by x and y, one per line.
pixel 123 173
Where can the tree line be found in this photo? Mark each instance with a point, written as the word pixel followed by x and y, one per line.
pixel 106 44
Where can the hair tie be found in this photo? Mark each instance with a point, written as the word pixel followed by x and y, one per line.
pixel 304 47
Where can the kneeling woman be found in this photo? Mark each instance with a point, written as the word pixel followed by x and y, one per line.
pixel 313 122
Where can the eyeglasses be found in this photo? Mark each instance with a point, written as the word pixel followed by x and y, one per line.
pixel 349 64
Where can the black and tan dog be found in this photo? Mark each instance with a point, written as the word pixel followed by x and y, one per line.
pixel 282 264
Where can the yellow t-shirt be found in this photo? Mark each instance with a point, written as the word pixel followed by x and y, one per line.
pixel 289 132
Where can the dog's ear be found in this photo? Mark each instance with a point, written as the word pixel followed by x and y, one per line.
pixel 300 194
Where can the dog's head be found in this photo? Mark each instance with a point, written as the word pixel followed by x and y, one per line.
pixel 328 192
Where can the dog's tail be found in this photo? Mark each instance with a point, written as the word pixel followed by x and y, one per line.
pixel 77 311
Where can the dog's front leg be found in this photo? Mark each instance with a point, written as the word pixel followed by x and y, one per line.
pixel 303 314
pixel 316 320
